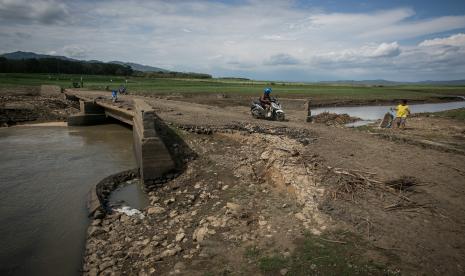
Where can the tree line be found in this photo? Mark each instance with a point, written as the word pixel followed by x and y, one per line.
pixel 59 66
pixel 171 74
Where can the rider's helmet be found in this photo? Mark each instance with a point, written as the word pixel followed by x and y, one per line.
pixel 267 91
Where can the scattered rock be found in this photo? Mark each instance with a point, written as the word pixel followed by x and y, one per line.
pixel 147 251
pixel 171 252
pixel 179 267
pixel 155 210
pixel 300 216
pixel 200 233
pixel 180 237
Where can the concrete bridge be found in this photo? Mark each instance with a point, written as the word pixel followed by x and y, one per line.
pixel 152 156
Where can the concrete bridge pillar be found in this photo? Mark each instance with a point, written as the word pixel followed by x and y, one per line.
pixel 151 153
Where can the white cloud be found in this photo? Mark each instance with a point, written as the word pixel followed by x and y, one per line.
pixel 386 50
pixel 75 51
pixel 216 37
pixel 453 40
pixel 37 11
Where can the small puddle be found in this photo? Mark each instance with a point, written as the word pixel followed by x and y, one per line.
pixel 130 194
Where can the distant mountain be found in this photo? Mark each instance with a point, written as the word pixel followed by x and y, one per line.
pixel 18 55
pixel 141 67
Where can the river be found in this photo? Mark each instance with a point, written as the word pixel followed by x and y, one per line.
pixel 46 173
pixel 372 113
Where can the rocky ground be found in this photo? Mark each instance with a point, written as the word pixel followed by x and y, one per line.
pixel 271 200
pixel 238 209
pixel 278 198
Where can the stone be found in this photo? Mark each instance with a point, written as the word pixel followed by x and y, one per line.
pixel 178 267
pixel 180 237
pixel 93 272
pixel 200 233
pixel 300 216
pixel 170 252
pixel 147 251
pixel 97 222
pixel 99 214
pixel 169 201
pixel 283 271
pixel 106 265
pixel 155 210
pixel 173 214
pixel 235 208
pixel 95 231
pixel 124 218
pixel 145 242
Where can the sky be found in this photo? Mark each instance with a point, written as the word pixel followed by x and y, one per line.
pixel 289 40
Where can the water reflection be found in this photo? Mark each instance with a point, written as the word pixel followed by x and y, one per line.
pixel 372 113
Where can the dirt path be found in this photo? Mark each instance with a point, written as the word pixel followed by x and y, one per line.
pixel 337 179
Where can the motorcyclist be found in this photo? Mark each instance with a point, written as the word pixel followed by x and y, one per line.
pixel 122 89
pixel 265 99
pixel 114 96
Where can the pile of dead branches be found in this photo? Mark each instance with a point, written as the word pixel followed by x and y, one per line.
pixel 347 183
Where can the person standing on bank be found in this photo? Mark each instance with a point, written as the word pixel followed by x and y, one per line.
pixel 402 111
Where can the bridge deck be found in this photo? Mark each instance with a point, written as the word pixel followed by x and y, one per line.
pixel 122 111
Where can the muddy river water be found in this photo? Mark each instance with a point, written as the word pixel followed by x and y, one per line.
pixel 45 175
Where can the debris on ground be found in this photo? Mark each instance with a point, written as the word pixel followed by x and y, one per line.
pixel 404 183
pixel 333 119
pixel 345 183
pixel 25 108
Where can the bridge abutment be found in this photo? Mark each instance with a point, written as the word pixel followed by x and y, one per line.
pixel 152 156
pixel 91 114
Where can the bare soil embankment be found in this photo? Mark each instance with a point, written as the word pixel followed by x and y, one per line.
pixel 261 196
pixel 26 104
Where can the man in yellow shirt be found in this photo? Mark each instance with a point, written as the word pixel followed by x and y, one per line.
pixel 402 111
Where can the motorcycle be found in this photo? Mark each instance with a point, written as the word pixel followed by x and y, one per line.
pixel 274 112
pixel 122 90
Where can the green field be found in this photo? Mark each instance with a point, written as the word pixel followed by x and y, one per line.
pixel 139 85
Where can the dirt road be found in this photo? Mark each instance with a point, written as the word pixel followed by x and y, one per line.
pixel 403 202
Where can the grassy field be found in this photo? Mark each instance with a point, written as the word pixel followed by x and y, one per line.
pixel 237 87
pixel 319 256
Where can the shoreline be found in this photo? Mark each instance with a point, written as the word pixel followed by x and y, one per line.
pixel 393 102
